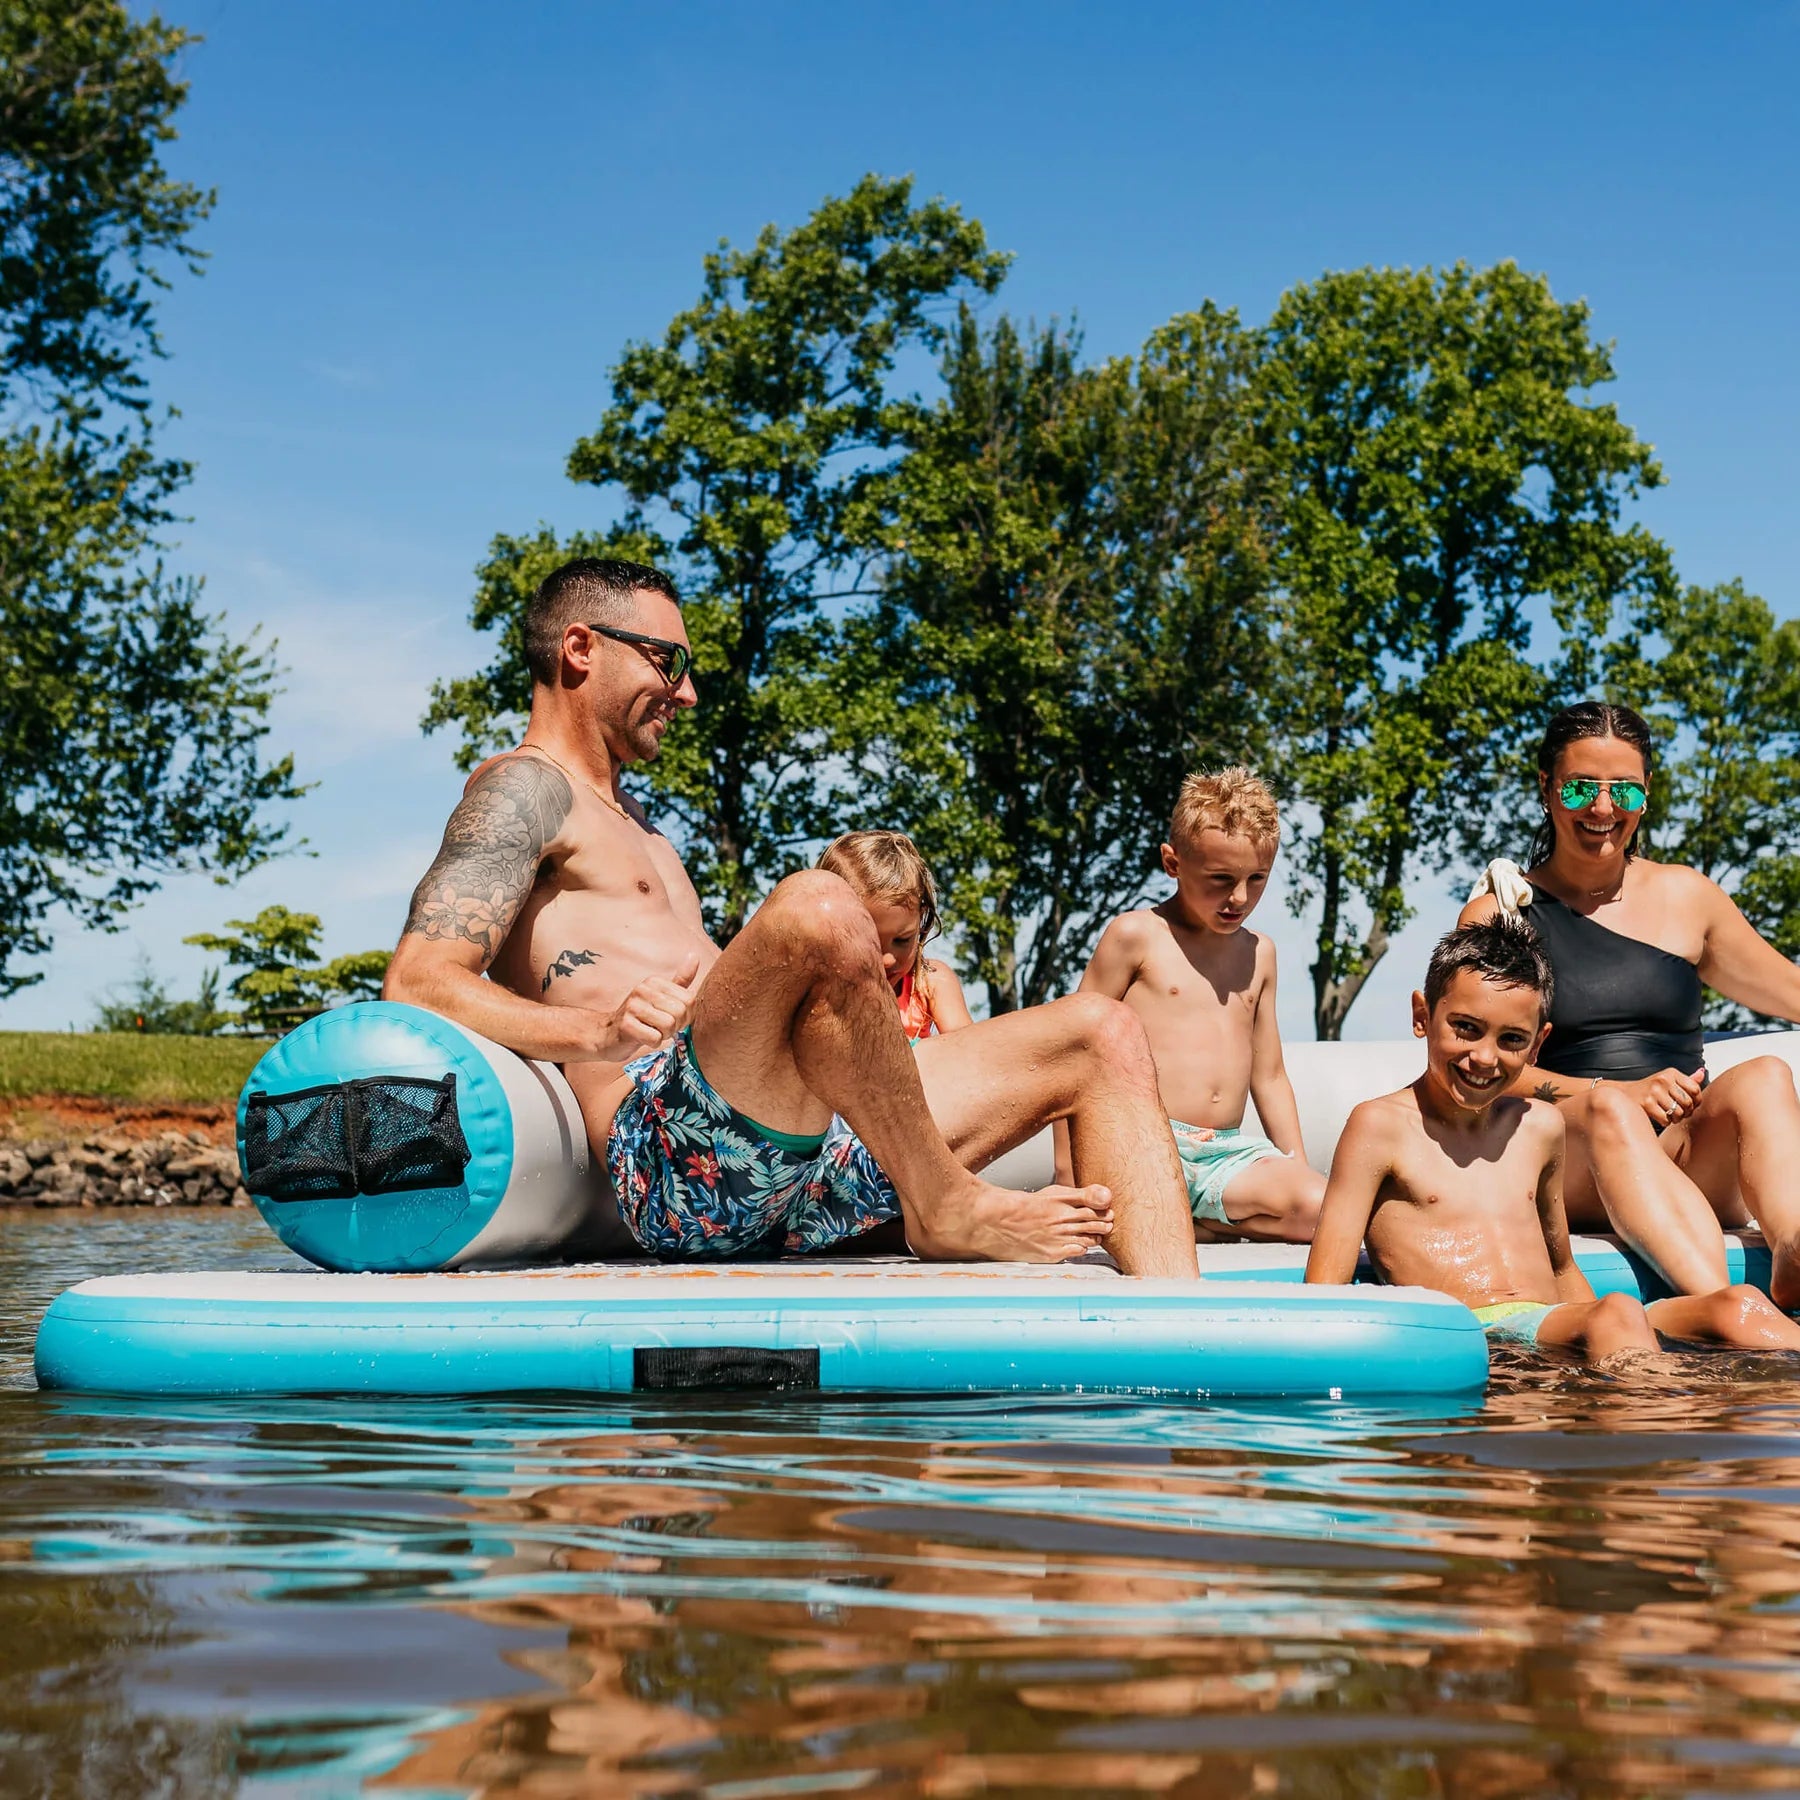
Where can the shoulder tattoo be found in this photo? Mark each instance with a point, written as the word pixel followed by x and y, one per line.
pixel 490 855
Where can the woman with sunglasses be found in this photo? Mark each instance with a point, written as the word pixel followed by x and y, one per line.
pixel 1656 1151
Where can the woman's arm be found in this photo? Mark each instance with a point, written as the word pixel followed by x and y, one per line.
pixel 1740 962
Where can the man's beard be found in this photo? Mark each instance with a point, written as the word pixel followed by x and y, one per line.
pixel 644 737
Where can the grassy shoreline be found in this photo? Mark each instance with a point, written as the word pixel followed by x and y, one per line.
pixel 126 1066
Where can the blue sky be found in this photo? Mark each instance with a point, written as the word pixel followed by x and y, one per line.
pixel 437 224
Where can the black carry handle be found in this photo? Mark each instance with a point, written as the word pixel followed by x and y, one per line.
pixel 675 1367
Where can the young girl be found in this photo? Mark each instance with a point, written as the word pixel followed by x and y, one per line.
pixel 890 875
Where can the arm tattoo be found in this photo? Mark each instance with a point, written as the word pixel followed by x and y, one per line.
pixel 490 855
pixel 1548 1090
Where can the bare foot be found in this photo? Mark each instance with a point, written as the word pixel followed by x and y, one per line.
pixel 983 1223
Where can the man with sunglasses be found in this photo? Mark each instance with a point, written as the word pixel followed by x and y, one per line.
pixel 762 1099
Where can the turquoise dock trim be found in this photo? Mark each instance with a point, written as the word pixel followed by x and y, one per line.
pixel 613 1332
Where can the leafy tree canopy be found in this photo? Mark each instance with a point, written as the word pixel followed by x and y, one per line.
pixel 131 726
pixel 282 981
pixel 88 213
pixel 1441 473
pixel 1071 618
pixel 750 446
pixel 1718 678
pixel 148 1007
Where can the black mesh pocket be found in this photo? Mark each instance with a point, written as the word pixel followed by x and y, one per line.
pixel 405 1134
pixel 384 1134
pixel 296 1146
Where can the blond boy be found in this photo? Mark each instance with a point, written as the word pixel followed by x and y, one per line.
pixel 1204 987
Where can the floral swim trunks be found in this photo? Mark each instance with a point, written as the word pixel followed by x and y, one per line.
pixel 697 1180
pixel 1211 1155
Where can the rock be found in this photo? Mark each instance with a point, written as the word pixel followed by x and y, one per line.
pixel 175 1168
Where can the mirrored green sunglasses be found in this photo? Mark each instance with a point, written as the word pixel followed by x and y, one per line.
pixel 1627 796
pixel 670 660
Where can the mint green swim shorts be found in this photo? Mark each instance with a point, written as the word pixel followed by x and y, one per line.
pixel 1517 1321
pixel 1211 1155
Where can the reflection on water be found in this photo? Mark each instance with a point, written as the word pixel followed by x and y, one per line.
pixel 1583 1587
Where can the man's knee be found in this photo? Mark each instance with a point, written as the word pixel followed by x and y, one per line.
pixel 819 916
pixel 1106 1030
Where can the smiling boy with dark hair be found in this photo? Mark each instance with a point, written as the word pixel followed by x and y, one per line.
pixel 1457 1184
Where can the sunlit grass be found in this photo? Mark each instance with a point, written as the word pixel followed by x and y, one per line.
pixel 126 1065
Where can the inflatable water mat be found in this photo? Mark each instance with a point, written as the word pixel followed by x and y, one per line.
pixel 383 1137
pixel 894 1326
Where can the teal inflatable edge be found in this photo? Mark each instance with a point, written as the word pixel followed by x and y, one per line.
pixel 297 1334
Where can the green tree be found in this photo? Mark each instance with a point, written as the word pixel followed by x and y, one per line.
pixel 1442 478
pixel 1718 678
pixel 88 214
pixel 282 980
pixel 147 1006
pixel 131 727
pixel 1072 617
pixel 750 446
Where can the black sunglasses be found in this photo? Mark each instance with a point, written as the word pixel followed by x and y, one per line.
pixel 670 660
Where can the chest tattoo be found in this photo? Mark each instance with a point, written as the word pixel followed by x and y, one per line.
pixel 567 962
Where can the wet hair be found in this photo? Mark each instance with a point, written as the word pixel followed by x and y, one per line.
pixel 1501 950
pixel 590 590
pixel 1586 719
pixel 1236 801
pixel 886 865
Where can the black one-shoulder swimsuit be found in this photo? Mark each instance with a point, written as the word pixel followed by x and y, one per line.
pixel 1622 1009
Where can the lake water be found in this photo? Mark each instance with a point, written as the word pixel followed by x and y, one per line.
pixel 1583 1586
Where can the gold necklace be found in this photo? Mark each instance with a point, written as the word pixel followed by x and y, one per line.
pixel 598 793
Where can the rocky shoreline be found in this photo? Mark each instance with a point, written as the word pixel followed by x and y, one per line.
pixel 171 1169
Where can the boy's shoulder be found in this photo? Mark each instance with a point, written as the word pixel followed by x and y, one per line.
pixel 1140 922
pixel 1541 1119
pixel 1386 1119
pixel 1135 932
